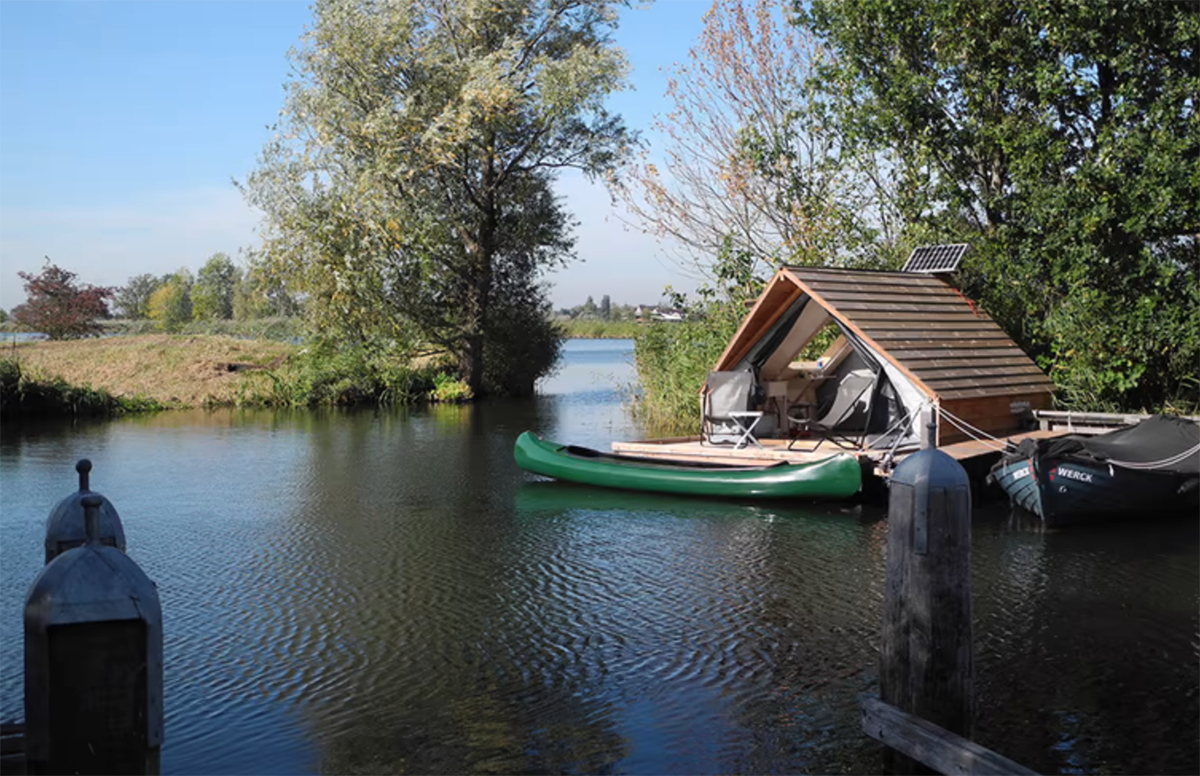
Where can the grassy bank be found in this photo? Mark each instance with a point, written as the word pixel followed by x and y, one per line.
pixel 26 393
pixel 175 371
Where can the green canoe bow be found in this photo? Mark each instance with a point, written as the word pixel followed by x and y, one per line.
pixel 838 476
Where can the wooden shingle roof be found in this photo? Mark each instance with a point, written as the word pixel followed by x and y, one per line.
pixel 926 328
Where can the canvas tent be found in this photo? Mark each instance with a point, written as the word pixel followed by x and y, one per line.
pixel 923 341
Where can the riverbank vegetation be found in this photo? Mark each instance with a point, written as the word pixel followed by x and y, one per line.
pixel 582 328
pixel 160 371
pixel 29 393
pixel 1058 141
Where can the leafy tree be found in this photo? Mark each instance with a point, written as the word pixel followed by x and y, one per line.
pixel 1060 139
pixel 133 300
pixel 409 196
pixel 59 307
pixel 3 315
pixel 212 294
pixel 260 293
pixel 171 305
pixel 749 162
pixel 589 308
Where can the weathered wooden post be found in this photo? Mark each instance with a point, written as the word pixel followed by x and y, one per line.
pixel 65 526
pixel 927 659
pixel 93 661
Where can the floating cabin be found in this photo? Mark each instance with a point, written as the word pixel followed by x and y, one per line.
pixel 907 345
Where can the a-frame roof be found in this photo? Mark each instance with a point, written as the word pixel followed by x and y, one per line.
pixel 948 346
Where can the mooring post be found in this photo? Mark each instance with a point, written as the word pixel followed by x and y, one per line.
pixel 927 418
pixel 926 658
pixel 93 660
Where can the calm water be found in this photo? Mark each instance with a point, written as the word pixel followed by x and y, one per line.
pixel 387 592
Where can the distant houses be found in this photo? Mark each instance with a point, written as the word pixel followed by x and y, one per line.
pixel 658 314
pixel 641 313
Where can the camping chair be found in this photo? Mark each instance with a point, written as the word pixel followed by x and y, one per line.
pixel 851 402
pixel 728 414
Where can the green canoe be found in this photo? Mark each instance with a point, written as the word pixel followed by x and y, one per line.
pixel 838 476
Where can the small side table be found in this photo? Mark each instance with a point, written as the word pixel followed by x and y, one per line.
pixel 746 421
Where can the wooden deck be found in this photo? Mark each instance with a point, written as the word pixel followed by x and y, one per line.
pixel 801 450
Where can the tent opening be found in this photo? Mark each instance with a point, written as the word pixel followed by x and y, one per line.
pixel 810 365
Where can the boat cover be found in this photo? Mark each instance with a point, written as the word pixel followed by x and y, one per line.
pixel 1159 438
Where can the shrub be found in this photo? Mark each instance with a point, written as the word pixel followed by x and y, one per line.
pixel 449 389
pixel 60 308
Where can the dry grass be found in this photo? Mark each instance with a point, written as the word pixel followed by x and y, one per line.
pixel 180 371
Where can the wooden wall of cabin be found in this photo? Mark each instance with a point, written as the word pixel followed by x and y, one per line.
pixel 993 414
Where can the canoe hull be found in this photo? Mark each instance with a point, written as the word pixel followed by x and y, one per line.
pixel 839 476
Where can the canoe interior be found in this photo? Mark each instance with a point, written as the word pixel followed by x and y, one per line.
pixel 588 454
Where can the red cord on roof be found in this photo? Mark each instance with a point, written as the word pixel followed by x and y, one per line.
pixel 968 301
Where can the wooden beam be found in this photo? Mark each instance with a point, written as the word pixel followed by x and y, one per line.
pixel 771 304
pixel 943 380
pixel 934 316
pixel 846 288
pixel 950 302
pixel 959 338
pixel 915 322
pixel 1043 386
pixel 974 361
pixel 1121 419
pixel 917 351
pixel 932 745
pixel 817 275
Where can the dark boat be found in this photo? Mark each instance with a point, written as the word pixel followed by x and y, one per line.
pixel 1146 470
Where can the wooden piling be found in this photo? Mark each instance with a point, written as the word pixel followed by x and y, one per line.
pixel 93 662
pixel 926 658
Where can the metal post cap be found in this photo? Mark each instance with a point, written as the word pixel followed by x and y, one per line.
pixel 66 527
pixel 84 467
pixel 933 466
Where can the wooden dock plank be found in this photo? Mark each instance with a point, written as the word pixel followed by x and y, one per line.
pixel 932 745
pixel 691 449
pixel 962 451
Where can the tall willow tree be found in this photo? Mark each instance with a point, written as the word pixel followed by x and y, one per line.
pixel 408 194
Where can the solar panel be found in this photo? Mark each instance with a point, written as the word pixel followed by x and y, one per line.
pixel 935 259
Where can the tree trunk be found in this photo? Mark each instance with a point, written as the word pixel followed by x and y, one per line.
pixel 480 294
pixel 471 362
pixel 471 358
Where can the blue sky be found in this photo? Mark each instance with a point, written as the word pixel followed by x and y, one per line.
pixel 123 123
